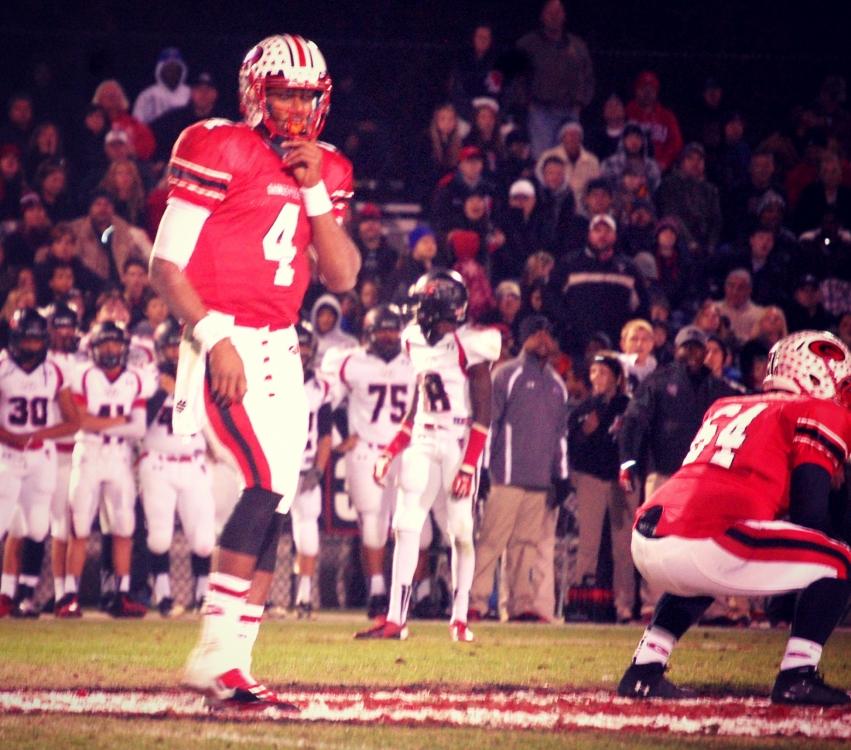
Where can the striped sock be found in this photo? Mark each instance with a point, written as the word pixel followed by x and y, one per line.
pixel 247 629
pixel 655 646
pixel 223 606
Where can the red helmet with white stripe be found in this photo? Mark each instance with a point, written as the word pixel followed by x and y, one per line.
pixel 285 61
pixel 814 363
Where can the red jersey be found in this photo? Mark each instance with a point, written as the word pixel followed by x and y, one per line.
pixel 250 260
pixel 741 460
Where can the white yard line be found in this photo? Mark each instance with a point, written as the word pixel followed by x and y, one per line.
pixel 525 709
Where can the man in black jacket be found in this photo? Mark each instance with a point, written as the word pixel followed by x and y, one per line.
pixel 663 417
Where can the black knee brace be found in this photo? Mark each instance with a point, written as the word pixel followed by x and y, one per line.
pixel 245 530
pixel 268 555
pixel 159 563
pixel 200 565
pixel 32 556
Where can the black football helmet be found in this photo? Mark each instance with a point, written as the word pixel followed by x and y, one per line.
pixel 307 343
pixel 28 338
pixel 167 335
pixel 63 325
pixel 104 333
pixel 439 296
pixel 382 329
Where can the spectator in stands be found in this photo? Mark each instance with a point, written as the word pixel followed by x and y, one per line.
pixel 518 163
pixel 737 305
pixel 769 270
pixel 636 357
pixel 134 280
pixel 20 297
pixel 124 184
pixel 378 258
pixel 475 73
pixel 827 193
pixel 686 194
pixel 45 143
pixel 727 165
pixel 593 449
pixel 464 246
pixel 203 104
pixel 771 214
pixel 740 205
pixel 562 76
pixel 62 250
pixel 105 240
pixel 12 184
pixel 597 273
pixel 770 327
pixel 155 312
pixel 632 151
pixel 631 189
pixel 110 95
pixel 521 222
pixel 528 426
pixel 368 294
pixel 326 316
pixel 638 229
pixel 437 153
pixel 33 231
pixel 19 123
pixel 60 282
pixel 170 90
pixel 706 118
pixel 663 418
pixel 605 139
pixel 753 362
pixel 805 311
pixel 485 133
pixel 509 299
pixel 556 206
pixel 813 146
pixel 659 122
pixel 476 217
pixel 678 274
pixel 580 165
pixel 115 148
pixel 448 203
pixel 422 250
pixel 88 144
pixel 51 185
pixel 719 360
pixel 826 248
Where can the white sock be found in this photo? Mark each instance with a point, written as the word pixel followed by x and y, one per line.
pixel 200 588
pixel 463 567
pixel 405 555
pixel 162 587
pixel 8 584
pixel 423 589
pixel 303 593
pixel 655 646
pixel 71 584
pixel 124 584
pixel 31 581
pixel 246 632
pixel 377 587
pixel 223 607
pixel 801 653
pixel 58 588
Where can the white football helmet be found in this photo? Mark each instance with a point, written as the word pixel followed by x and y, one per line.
pixel 292 62
pixel 815 363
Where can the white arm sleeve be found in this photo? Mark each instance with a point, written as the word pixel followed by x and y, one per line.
pixel 178 232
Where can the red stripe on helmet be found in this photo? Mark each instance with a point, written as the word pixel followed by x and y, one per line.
pixel 301 58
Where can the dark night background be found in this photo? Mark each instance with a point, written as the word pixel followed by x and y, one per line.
pixel 768 55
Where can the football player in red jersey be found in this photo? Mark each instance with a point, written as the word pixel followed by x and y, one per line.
pixel 246 202
pixel 714 528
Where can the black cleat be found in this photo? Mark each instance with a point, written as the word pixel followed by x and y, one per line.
pixel 124 606
pixel 377 606
pixel 166 606
pixel 304 611
pixel 644 681
pixel 25 609
pixel 804 686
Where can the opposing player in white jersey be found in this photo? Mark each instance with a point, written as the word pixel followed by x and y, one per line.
pixel 308 501
pixel 378 381
pixel 35 409
pixel 174 477
pixel 443 437
pixel 112 413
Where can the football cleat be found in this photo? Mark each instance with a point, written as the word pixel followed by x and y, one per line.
pixel 385 630
pixel 167 608
pixel 804 686
pixel 377 606
pixel 233 688
pixel 123 606
pixel 6 605
pixel 25 610
pixel 460 633
pixel 645 681
pixel 304 611
pixel 68 607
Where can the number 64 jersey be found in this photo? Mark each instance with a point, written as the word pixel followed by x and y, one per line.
pixel 741 460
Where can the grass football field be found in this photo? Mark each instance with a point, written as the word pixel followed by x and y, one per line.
pixel 321 657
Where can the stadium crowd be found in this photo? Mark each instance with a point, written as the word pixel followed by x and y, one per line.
pixel 659 253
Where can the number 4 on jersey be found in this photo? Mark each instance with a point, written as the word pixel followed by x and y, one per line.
pixel 729 439
pixel 278 243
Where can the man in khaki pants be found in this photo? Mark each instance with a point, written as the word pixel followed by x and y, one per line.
pixel 528 450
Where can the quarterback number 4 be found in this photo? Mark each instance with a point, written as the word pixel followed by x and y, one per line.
pixel 729 439
pixel 278 243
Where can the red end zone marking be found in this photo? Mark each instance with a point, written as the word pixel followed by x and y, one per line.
pixel 524 709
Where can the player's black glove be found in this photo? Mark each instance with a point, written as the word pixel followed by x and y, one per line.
pixel 484 484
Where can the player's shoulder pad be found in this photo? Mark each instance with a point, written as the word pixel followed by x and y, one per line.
pixel 215 144
pixel 480 343
pixel 337 172
pixel 829 418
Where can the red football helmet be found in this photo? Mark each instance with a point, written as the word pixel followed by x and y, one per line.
pixel 286 61
pixel 815 363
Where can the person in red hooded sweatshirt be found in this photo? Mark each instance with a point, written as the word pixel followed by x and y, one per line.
pixel 659 122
